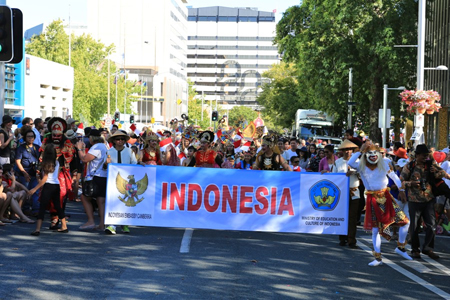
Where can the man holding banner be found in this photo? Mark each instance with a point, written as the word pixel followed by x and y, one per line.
pixel 269 158
pixel 119 154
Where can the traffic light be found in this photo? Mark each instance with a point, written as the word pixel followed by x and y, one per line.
pixel 17 21
pixel 131 119
pixel 6 38
pixel 215 116
pixel 117 117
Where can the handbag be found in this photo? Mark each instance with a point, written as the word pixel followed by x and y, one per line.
pixel 89 188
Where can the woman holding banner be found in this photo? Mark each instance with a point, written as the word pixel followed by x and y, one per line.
pixel 381 210
pixel 206 157
pixel 150 155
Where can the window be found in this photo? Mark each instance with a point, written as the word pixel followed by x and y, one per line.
pixel 43 113
pixel 54 112
pixel 192 18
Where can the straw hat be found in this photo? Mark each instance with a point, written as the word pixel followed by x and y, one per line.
pixel 118 134
pixel 347 145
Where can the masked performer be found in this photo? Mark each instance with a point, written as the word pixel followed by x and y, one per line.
pixel 269 158
pixel 381 209
pixel 205 157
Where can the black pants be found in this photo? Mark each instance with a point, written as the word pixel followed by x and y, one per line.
pixel 352 220
pixel 425 210
pixel 50 192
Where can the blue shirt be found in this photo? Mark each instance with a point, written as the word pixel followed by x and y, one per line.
pixel 28 156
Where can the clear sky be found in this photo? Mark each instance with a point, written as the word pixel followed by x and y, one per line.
pixel 45 11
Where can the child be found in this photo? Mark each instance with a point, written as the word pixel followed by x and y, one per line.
pixel 295 160
pixel 51 189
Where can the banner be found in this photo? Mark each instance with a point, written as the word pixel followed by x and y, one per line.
pixel 227 199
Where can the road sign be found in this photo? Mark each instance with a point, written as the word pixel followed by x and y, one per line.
pixel 108 121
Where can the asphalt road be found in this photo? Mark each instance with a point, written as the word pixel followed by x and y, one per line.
pixel 163 263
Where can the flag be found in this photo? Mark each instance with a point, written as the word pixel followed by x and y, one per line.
pixel 81 126
pixel 133 127
pixel 246 146
pixel 159 134
pixel 237 144
pixel 164 143
pixel 181 155
pixel 274 11
pixel 137 131
pixel 177 143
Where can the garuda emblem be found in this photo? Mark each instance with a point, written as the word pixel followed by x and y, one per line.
pixel 131 189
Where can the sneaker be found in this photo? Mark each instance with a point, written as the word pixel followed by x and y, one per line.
pixel 125 229
pixel 402 253
pixel 376 263
pixel 110 229
pixel 431 254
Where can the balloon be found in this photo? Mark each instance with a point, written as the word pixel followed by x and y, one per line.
pixel 439 156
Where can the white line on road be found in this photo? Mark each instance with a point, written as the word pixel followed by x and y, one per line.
pixel 408 274
pixel 186 241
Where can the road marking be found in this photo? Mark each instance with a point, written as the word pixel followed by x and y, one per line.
pixel 414 264
pixel 186 241
pixel 431 261
pixel 408 274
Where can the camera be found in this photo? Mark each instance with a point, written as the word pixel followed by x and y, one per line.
pixel 423 184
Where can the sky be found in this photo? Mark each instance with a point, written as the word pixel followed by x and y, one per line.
pixel 36 12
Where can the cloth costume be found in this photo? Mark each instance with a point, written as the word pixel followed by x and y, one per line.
pixel 381 209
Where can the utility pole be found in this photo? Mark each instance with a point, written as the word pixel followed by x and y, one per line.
pixel 350 98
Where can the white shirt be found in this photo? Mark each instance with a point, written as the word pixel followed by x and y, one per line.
pixel 342 167
pixel 53 177
pixel 37 139
pixel 126 156
pixel 95 167
pixel 374 180
pixel 446 167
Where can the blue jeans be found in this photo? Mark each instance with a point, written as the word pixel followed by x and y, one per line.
pixel 35 198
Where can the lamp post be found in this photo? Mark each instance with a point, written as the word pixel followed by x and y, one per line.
pixel 385 121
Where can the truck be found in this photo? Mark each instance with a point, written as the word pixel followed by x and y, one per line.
pixel 316 124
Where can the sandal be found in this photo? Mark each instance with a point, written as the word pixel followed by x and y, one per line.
pixel 35 233
pixel 6 220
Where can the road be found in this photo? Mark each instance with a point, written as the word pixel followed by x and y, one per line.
pixel 171 263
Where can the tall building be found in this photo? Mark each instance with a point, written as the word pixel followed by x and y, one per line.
pixel 438 36
pixel 150 41
pixel 228 50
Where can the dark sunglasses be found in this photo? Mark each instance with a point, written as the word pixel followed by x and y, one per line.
pixel 295 161
pixel 120 139
pixel 30 136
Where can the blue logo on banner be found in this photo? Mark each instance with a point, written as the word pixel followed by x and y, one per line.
pixel 324 195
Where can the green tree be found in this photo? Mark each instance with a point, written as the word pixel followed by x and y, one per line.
pixel 195 108
pixel 239 114
pixel 326 38
pixel 88 58
pixel 280 97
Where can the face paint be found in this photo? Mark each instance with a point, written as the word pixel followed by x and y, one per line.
pixel 373 157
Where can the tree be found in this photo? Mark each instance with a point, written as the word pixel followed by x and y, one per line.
pixel 239 114
pixel 88 58
pixel 326 38
pixel 280 97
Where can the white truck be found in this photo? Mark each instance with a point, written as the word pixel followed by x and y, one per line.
pixel 315 124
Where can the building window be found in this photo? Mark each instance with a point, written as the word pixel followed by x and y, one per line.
pixel 45 86
pixel 162 89
pixel 43 113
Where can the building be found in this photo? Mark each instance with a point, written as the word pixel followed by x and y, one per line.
pixel 150 40
pixel 438 36
pixel 48 88
pixel 228 50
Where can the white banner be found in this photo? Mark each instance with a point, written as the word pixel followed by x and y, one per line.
pixel 227 199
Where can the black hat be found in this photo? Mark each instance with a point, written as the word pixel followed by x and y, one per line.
pixel 422 148
pixel 94 132
pixel 7 119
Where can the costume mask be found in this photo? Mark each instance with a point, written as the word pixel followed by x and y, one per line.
pixel 373 157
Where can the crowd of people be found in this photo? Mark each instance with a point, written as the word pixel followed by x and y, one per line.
pixel 45 163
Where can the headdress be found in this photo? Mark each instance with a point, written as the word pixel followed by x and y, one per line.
pixel 206 136
pixel 57 125
pixel 372 147
pixel 151 136
pixel 189 133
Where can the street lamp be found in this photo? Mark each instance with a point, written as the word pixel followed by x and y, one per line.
pixel 438 68
pixel 385 123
